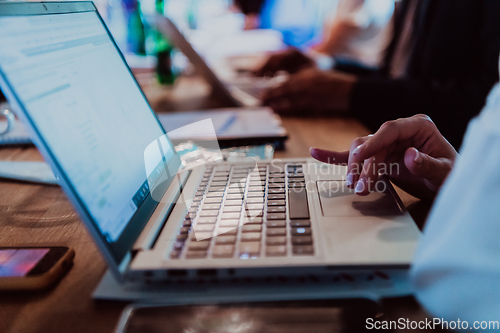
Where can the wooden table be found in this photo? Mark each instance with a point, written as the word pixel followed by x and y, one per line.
pixel 42 215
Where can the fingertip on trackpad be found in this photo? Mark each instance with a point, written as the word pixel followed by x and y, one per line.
pixel 337 200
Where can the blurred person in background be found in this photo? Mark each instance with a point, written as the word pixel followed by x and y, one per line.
pixel 442 60
pixel 356 38
pixel 295 19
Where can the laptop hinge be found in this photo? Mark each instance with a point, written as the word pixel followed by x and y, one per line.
pixel 159 217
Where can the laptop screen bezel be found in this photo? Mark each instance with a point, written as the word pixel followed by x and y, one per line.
pixel 118 252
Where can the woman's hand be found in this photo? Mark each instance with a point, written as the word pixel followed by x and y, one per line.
pixel 411 151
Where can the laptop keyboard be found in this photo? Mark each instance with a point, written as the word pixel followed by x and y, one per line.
pixel 247 212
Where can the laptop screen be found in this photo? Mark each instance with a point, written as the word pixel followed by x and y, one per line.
pixel 79 95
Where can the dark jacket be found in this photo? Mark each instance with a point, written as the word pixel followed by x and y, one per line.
pixel 453 66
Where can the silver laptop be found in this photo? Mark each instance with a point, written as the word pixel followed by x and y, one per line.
pixel 151 219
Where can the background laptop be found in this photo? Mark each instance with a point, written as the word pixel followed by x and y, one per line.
pixel 62 72
pixel 244 91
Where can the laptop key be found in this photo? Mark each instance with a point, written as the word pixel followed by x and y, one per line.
pixel 175 254
pixel 193 210
pixel 302 240
pixel 301 231
pixel 199 193
pixel 300 223
pixel 225 239
pixel 252 220
pixel 236 190
pixel 213 200
pixel 218 184
pixel 277 174
pixel 276 240
pixel 223 251
pixel 258 206
pixel 187 223
pixel 234 196
pixel 249 249
pixel 229 223
pixel 255 194
pixel 232 209
pixel 178 246
pixel 271 232
pixel 276 202
pixel 230 216
pixel 181 237
pixel 276 190
pixel 275 250
pixel 206 220
pixel 297 204
pixel 215 194
pixel 196 254
pixel 256 189
pixel 233 203
pixel 200 236
pixel 219 179
pixel 227 231
pixel 199 246
pixel 204 228
pixel 255 200
pixel 250 236
pixel 190 216
pixel 209 213
pixel 276 224
pixel 275 216
pixel 276 197
pixel 211 207
pixel 302 249
pixel 276 209
pixel 185 230
pixel 251 228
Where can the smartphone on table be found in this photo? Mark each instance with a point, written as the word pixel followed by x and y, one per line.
pixel 31 268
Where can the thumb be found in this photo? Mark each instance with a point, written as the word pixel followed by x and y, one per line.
pixel 433 170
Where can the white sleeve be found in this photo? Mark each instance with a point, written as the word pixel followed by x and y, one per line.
pixel 456 270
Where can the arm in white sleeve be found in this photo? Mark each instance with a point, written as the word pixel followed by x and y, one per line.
pixel 456 270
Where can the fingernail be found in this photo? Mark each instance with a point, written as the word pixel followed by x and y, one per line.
pixel 360 186
pixel 358 149
pixel 349 180
pixel 418 158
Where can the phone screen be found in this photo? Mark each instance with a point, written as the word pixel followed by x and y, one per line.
pixel 19 262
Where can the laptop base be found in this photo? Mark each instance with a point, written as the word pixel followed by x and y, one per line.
pixel 350 284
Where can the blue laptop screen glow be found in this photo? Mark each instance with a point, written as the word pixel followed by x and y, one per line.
pixel 74 86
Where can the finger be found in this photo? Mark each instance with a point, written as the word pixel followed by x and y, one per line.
pixel 330 157
pixel 417 128
pixel 354 164
pixel 370 174
pixel 433 170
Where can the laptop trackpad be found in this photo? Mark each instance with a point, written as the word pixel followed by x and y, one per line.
pixel 338 200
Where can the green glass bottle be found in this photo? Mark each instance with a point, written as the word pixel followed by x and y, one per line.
pixel 163 52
